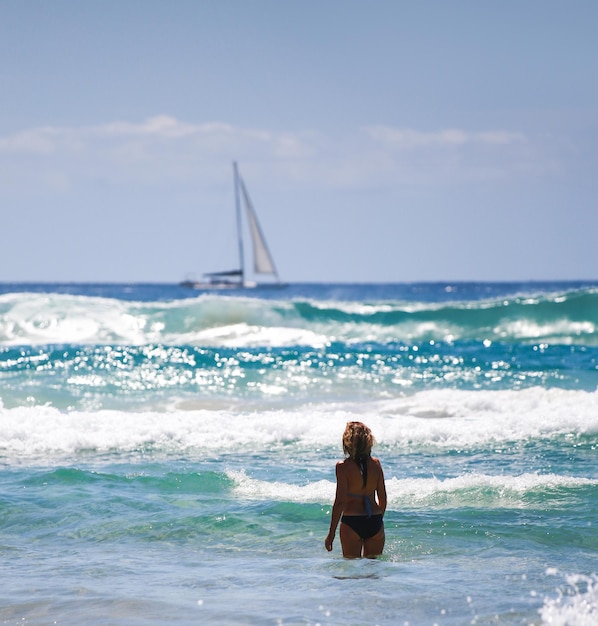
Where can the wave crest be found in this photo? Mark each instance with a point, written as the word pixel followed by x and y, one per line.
pixel 37 319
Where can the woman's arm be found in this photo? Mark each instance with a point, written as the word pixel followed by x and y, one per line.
pixel 381 488
pixel 338 506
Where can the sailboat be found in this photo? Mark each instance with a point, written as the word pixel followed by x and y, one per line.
pixel 263 263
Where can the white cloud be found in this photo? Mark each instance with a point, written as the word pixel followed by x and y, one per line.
pixel 158 126
pixel 163 128
pixel 35 141
pixel 406 138
pixel 165 150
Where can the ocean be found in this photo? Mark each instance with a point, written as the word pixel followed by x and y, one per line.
pixel 167 455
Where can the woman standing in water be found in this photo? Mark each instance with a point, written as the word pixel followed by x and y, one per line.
pixel 359 478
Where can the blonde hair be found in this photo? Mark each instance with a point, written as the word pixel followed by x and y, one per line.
pixel 357 440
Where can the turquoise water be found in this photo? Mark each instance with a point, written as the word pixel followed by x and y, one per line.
pixel 168 456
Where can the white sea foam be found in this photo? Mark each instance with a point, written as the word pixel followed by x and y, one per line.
pixel 320 492
pixel 561 331
pixel 442 419
pixel 498 491
pixel 243 335
pixel 38 319
pixel 575 605
pixel 457 418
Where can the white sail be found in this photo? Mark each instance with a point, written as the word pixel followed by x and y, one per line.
pixel 262 259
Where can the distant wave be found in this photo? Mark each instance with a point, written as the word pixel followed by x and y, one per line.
pixel 38 319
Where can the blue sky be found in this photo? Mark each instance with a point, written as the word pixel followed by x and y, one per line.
pixel 379 140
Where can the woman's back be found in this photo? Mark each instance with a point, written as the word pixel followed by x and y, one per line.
pixel 356 491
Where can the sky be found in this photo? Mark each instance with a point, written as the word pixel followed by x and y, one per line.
pixel 380 140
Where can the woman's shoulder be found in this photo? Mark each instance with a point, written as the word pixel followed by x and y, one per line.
pixel 376 461
pixel 378 467
pixel 344 466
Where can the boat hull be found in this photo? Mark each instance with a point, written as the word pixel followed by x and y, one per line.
pixel 221 286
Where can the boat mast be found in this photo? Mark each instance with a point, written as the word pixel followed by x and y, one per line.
pixel 239 223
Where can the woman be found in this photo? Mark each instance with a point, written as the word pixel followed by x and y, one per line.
pixel 358 479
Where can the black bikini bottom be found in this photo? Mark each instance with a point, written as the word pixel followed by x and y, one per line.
pixel 363 525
